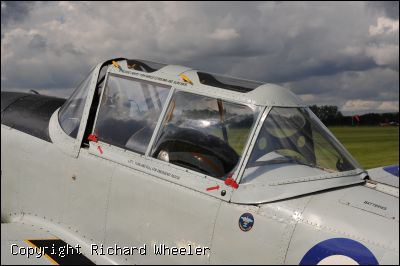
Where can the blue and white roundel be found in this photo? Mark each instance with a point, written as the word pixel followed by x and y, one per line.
pixel 339 251
pixel 246 221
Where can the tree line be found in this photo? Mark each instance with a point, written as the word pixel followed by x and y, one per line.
pixel 331 116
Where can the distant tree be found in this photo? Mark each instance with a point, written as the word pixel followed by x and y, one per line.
pixel 331 116
pixel 376 119
pixel 328 114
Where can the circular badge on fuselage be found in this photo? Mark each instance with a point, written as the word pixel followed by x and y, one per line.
pixel 246 221
pixel 339 251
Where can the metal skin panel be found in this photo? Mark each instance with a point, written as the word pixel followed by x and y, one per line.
pixel 31 156
pixel 274 95
pixel 147 210
pixel 278 190
pixel 9 197
pixel 161 170
pixel 390 190
pixel 69 199
pixel 380 204
pixel 266 242
pixel 21 231
pixel 325 217
pixel 88 193
pixel 381 176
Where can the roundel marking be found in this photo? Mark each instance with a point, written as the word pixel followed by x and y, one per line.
pixel 246 222
pixel 339 251
pixel 338 260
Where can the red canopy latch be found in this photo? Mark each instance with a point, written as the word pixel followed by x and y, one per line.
pixel 231 182
pixel 93 137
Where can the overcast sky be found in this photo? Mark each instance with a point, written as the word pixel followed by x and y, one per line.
pixel 341 53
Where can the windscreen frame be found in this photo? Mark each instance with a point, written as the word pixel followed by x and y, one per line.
pixel 357 170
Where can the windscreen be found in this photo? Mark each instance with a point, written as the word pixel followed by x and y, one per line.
pixel 294 143
pixel 71 112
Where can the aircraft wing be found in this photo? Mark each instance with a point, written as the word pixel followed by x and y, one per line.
pixel 388 175
pixel 22 244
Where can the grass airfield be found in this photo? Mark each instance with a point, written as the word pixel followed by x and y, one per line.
pixel 371 146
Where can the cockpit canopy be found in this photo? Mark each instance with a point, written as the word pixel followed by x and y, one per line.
pixel 204 132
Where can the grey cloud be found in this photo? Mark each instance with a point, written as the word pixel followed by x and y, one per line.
pixel 68 48
pixel 374 85
pixel 38 42
pixel 389 8
pixel 323 49
pixel 14 11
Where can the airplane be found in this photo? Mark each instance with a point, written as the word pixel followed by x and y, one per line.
pixel 151 163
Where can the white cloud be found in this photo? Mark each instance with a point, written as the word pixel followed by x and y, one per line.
pixel 384 54
pixel 389 106
pixel 224 34
pixel 384 25
pixel 363 106
pixel 67 5
pixel 307 97
pixel 352 50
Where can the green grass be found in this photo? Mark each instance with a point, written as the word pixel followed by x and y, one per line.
pixel 237 138
pixel 371 146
